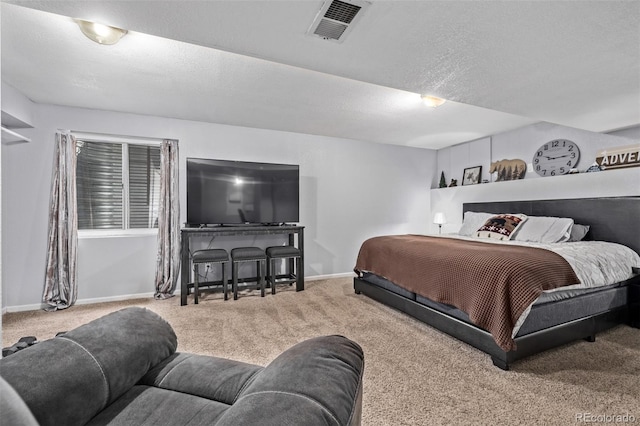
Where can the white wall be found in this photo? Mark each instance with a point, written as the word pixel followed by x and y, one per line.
pixel 522 143
pixel 15 104
pixel 350 190
pixel 629 132
pixel 1 303
pixel 610 183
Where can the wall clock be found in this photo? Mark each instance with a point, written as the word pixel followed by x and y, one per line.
pixel 556 157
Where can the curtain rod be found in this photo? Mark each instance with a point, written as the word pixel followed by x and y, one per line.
pixel 110 137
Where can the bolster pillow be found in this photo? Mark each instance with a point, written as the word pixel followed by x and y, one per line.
pixel 69 379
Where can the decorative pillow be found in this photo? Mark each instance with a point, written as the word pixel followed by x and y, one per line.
pixel 578 232
pixel 472 221
pixel 501 227
pixel 543 229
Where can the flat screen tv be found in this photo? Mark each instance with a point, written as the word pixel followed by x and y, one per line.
pixel 223 192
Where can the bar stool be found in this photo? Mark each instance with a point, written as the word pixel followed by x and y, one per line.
pixel 209 256
pixel 283 252
pixel 247 254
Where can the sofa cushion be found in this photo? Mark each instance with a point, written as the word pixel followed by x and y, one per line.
pixel 147 405
pixel 209 377
pixel 69 379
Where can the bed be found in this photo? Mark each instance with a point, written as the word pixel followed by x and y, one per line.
pixel 562 313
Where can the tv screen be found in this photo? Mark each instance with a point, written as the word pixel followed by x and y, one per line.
pixel 238 192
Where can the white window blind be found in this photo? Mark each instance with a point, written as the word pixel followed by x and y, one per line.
pixel 118 185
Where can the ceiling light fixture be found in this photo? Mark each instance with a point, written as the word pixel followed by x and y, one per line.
pixel 101 33
pixel 432 101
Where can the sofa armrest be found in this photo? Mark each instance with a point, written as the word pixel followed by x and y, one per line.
pixel 14 411
pixel 316 382
pixel 69 379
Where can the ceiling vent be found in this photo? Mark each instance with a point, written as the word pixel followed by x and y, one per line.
pixel 336 19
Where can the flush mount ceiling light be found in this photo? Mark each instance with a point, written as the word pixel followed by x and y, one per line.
pixel 101 33
pixel 432 101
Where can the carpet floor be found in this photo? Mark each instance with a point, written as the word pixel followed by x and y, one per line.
pixel 414 375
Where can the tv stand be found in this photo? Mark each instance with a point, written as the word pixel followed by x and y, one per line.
pixel 233 225
pixel 190 231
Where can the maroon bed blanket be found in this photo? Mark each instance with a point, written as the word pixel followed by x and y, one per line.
pixel 492 283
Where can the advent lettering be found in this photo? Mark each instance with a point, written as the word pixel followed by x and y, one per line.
pixel 620 157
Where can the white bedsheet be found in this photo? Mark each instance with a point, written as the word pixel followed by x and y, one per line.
pixel 596 263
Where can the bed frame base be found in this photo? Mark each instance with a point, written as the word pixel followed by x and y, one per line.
pixel 530 344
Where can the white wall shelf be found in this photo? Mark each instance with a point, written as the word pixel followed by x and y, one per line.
pixel 10 137
pixel 9 126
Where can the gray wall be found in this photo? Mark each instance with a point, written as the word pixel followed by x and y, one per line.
pixel 350 190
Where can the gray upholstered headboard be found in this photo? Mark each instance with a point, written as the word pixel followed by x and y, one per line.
pixel 613 219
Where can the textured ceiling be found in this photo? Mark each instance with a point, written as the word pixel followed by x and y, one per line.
pixel 501 64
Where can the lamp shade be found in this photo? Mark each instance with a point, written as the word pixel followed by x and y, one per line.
pixel 439 218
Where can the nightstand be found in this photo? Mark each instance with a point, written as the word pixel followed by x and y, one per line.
pixel 634 300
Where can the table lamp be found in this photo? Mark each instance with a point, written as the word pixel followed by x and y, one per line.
pixel 440 220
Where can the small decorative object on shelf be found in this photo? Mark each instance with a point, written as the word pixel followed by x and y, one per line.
pixel 619 157
pixel 454 182
pixel 509 169
pixel 472 175
pixel 594 168
pixel 556 157
pixel 443 182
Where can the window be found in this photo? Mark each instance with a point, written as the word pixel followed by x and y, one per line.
pixel 118 185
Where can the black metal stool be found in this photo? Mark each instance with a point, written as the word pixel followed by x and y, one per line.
pixel 209 256
pixel 247 254
pixel 283 252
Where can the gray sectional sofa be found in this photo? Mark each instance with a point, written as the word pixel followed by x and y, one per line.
pixel 123 369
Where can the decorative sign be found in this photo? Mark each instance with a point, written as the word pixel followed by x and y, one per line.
pixel 620 157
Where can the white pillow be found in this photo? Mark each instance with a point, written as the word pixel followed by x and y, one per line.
pixel 472 222
pixel 543 229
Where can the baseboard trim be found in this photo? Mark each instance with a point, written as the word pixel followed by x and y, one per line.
pixel 23 308
pixel 329 276
pixel 37 307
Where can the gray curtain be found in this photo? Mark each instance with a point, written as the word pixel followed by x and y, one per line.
pixel 60 286
pixel 168 264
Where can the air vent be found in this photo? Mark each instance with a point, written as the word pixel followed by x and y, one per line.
pixel 336 19
pixel 341 11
